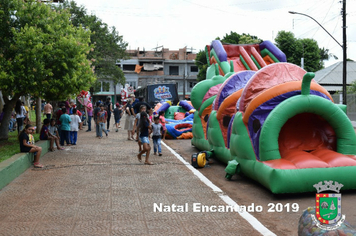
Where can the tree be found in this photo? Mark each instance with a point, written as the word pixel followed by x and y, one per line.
pixel 235 38
pixel 41 54
pixel 109 45
pixel 295 49
pixel 202 64
pixel 286 42
pixel 232 38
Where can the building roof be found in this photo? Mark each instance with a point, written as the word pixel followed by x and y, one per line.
pixel 332 75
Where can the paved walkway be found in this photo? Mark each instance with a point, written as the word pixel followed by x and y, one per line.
pixel 99 188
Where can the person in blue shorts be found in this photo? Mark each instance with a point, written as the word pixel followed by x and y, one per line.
pixel 145 131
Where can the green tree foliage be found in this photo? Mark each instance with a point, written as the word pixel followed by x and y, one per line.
pixel 295 49
pixel 109 45
pixel 235 38
pixel 232 38
pixel 41 54
pixel 202 64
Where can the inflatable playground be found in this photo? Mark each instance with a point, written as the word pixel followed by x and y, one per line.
pixel 179 117
pixel 269 120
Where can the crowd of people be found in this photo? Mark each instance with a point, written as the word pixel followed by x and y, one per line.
pixel 61 127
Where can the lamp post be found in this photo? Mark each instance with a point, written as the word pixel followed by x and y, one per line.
pixel 342 46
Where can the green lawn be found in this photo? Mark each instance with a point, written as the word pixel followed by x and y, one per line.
pixel 10 147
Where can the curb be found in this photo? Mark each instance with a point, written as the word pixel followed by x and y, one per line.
pixel 11 168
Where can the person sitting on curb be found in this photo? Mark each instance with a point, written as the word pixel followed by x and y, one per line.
pixel 46 135
pixel 25 146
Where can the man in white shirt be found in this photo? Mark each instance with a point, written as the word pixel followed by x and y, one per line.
pixel 74 126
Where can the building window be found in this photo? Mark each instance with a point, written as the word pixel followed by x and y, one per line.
pixel 192 84
pixel 193 69
pixel 129 67
pixel 174 70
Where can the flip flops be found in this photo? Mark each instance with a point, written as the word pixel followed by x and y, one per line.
pixel 148 163
pixel 38 165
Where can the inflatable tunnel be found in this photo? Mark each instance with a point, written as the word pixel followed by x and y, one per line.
pixel 279 125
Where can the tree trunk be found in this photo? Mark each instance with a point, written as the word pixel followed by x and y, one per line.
pixel 4 127
pixel 38 115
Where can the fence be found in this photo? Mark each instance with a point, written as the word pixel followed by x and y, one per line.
pixel 351 104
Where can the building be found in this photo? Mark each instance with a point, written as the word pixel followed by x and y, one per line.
pixel 161 65
pixel 331 77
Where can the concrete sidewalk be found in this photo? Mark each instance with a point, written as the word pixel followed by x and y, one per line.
pixel 98 187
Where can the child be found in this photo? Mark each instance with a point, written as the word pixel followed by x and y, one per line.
pixel 145 130
pixel 46 135
pixel 117 116
pixel 52 129
pixel 74 126
pixel 157 131
pixel 26 146
pixel 101 120
pixel 150 115
pixel 163 122
pixel 31 139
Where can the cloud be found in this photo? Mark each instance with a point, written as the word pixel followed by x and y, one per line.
pixel 195 23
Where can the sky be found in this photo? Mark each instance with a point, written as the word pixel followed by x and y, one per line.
pixel 175 24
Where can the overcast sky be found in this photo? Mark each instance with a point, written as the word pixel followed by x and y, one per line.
pixel 175 24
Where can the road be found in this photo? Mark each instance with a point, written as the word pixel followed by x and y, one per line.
pixel 247 192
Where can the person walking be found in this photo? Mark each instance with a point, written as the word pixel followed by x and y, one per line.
pixel 130 119
pixel 108 105
pixel 90 115
pixel 157 132
pixel 163 122
pixel 145 131
pixel 101 120
pixel 117 116
pixel 95 115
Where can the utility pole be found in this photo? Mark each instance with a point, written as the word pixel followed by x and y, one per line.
pixel 344 49
pixel 344 46
pixel 184 71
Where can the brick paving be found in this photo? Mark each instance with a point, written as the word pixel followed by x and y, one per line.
pixel 99 188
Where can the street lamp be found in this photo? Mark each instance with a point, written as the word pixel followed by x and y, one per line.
pixel 342 46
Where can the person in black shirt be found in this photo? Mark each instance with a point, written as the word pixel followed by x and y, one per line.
pixel 26 146
pixel 108 105
pixel 140 102
pixel 95 114
pixel 117 115
pixel 145 131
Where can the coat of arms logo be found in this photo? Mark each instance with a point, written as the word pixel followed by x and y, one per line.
pixel 328 205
